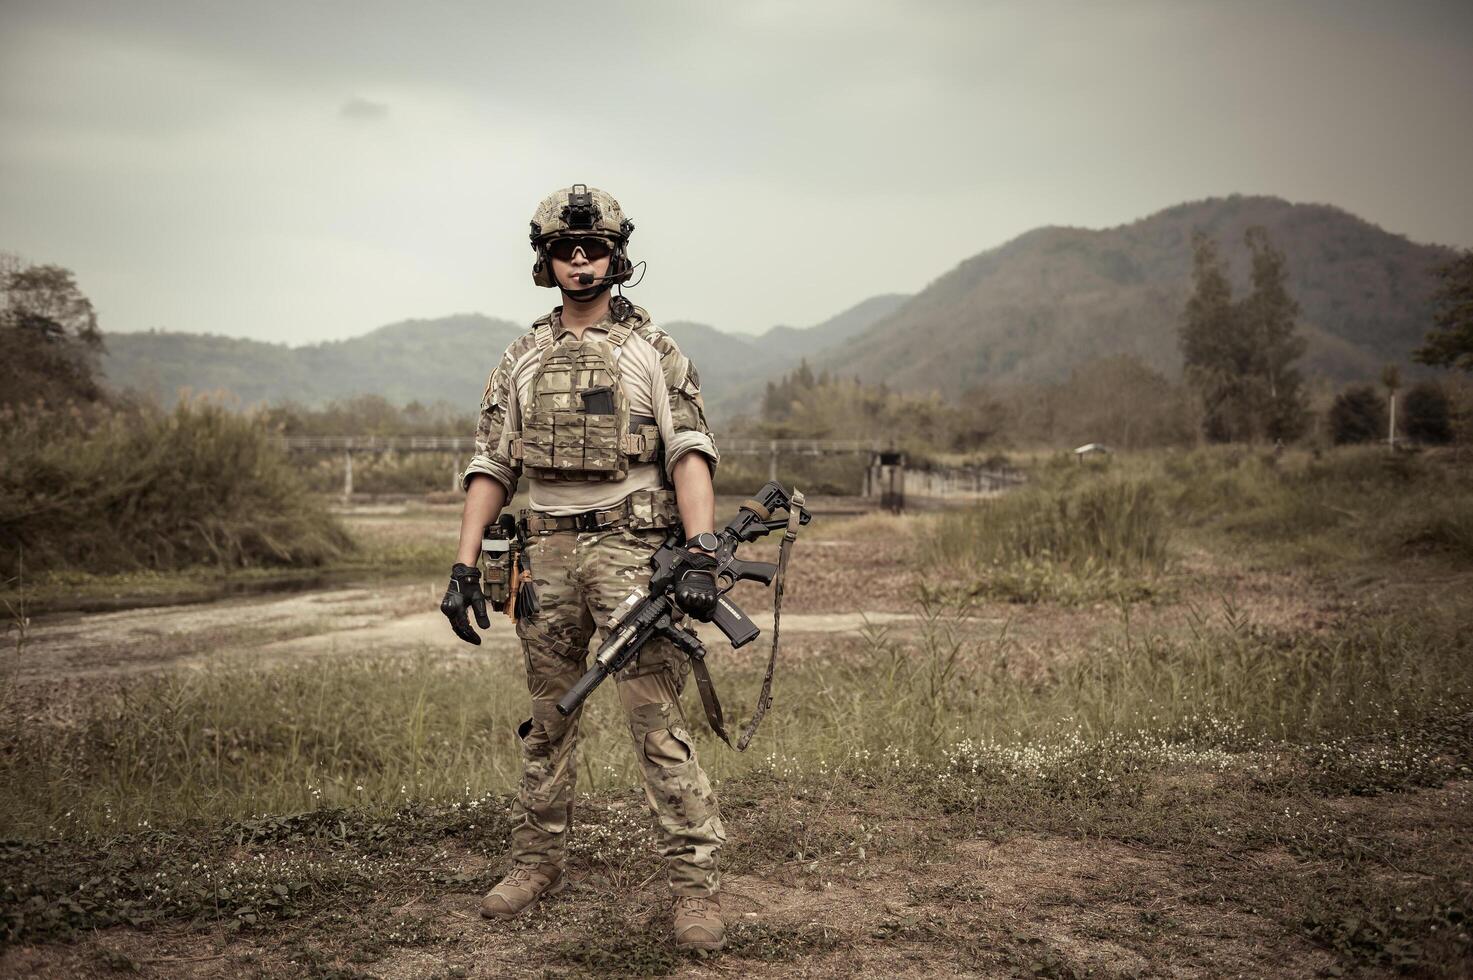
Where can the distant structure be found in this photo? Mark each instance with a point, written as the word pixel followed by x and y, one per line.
pixel 1091 449
pixel 885 477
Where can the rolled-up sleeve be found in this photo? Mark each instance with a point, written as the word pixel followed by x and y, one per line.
pixel 679 408
pixel 500 418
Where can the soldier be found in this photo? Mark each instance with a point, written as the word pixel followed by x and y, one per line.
pixel 603 415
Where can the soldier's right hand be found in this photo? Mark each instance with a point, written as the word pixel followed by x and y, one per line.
pixel 465 592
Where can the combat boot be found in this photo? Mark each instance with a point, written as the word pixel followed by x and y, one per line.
pixel 523 887
pixel 698 923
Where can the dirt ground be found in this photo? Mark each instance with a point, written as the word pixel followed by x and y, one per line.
pixel 920 901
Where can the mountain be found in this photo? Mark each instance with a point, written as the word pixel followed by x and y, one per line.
pixel 780 348
pixel 1055 298
pixel 835 330
pixel 446 359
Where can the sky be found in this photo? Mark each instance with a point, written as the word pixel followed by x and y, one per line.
pixel 306 171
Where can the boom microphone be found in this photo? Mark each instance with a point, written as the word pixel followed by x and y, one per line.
pixel 588 278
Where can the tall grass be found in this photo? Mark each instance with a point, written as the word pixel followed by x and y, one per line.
pixel 138 488
pixel 1111 523
pixel 1086 532
pixel 1074 536
pixel 376 731
pixel 1354 501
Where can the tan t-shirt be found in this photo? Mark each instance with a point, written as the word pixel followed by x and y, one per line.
pixel 645 373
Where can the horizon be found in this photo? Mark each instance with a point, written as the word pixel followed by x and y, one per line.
pixel 754 334
pixel 291 174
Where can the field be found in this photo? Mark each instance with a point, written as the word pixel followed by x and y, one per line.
pixel 1204 714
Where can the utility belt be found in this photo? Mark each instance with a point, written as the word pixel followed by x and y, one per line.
pixel 642 509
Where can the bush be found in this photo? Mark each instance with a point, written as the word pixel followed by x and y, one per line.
pixel 138 488
pixel 1358 415
pixel 1428 414
pixel 1351 500
pixel 1081 538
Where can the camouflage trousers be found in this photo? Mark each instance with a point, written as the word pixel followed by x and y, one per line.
pixel 580 578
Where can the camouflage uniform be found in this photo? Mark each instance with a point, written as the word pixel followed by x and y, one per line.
pixel 580 577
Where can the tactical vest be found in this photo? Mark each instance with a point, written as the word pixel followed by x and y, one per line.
pixel 576 425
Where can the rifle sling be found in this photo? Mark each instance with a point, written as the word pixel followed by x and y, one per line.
pixel 764 700
pixel 709 700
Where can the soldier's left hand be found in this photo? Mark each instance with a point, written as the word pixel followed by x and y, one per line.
pixel 695 590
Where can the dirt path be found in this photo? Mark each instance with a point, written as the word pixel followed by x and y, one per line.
pixel 379 620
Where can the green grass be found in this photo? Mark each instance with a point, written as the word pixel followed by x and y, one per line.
pixel 1353 502
pixel 1109 531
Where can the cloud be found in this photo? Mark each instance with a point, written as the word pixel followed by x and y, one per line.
pixel 360 109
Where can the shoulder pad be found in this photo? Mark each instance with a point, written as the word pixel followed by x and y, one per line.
pixel 521 345
pixel 657 338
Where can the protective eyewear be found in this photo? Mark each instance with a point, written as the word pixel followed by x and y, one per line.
pixel 593 248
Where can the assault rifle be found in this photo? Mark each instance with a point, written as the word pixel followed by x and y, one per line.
pixel 651 611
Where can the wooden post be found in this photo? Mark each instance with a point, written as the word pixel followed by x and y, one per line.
pixel 347 476
pixel 772 460
pixel 454 474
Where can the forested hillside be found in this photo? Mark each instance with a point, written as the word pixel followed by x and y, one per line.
pixel 441 360
pixel 446 359
pixel 1055 299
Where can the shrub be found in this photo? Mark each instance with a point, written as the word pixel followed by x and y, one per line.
pixel 1428 414
pixel 138 488
pixel 1358 415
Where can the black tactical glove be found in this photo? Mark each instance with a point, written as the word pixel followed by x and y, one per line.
pixel 465 591
pixel 695 590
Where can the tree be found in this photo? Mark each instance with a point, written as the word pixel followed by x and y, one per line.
pixel 1240 356
pixel 1211 346
pixel 1268 318
pixel 1428 414
pixel 1451 344
pixel 1358 415
pixel 49 342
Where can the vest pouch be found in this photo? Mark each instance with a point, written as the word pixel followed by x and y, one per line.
pixel 602 454
pixel 537 443
pixel 650 452
pixel 567 443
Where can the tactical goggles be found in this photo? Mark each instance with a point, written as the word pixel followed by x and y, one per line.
pixel 593 248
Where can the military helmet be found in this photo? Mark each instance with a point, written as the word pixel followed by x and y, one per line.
pixel 575 211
